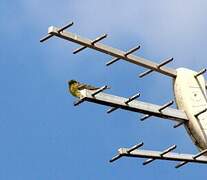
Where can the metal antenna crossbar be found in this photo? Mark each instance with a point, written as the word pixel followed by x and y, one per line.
pixel 79 102
pixel 79 49
pixel 148 161
pixel 135 147
pixel 92 43
pixel 200 72
pixel 203 111
pixel 132 98
pixel 181 164
pixel 194 157
pixel 134 106
pixel 115 158
pixel 112 110
pixel 145 73
pixel 112 51
pixel 168 150
pixel 60 30
pixel 99 90
pixel 126 54
pixel 132 50
pixel 158 66
pixel 200 154
pixel 112 61
pixel 145 117
pixel 126 102
pixel 128 152
pixel 161 154
pixel 166 105
pixel 178 124
pixel 160 110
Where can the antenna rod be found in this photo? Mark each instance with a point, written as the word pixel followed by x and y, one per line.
pixel 93 43
pixel 126 54
pixel 112 51
pixel 158 66
pixel 132 98
pixel 60 30
pixel 135 147
pixel 99 90
pixel 200 73
pixel 166 105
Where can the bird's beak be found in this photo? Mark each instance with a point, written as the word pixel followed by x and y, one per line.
pixel 68 86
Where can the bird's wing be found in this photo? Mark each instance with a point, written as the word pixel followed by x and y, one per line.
pixel 86 86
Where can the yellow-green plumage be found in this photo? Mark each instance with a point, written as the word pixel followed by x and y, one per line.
pixel 75 88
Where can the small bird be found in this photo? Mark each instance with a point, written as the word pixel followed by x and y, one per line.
pixel 75 87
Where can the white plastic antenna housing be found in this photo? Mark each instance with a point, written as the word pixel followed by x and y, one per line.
pixel 190 94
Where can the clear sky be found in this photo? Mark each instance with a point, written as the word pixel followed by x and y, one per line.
pixel 43 136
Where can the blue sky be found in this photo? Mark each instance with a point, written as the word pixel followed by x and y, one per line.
pixel 43 136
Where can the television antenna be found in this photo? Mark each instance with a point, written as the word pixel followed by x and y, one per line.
pixel 190 95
